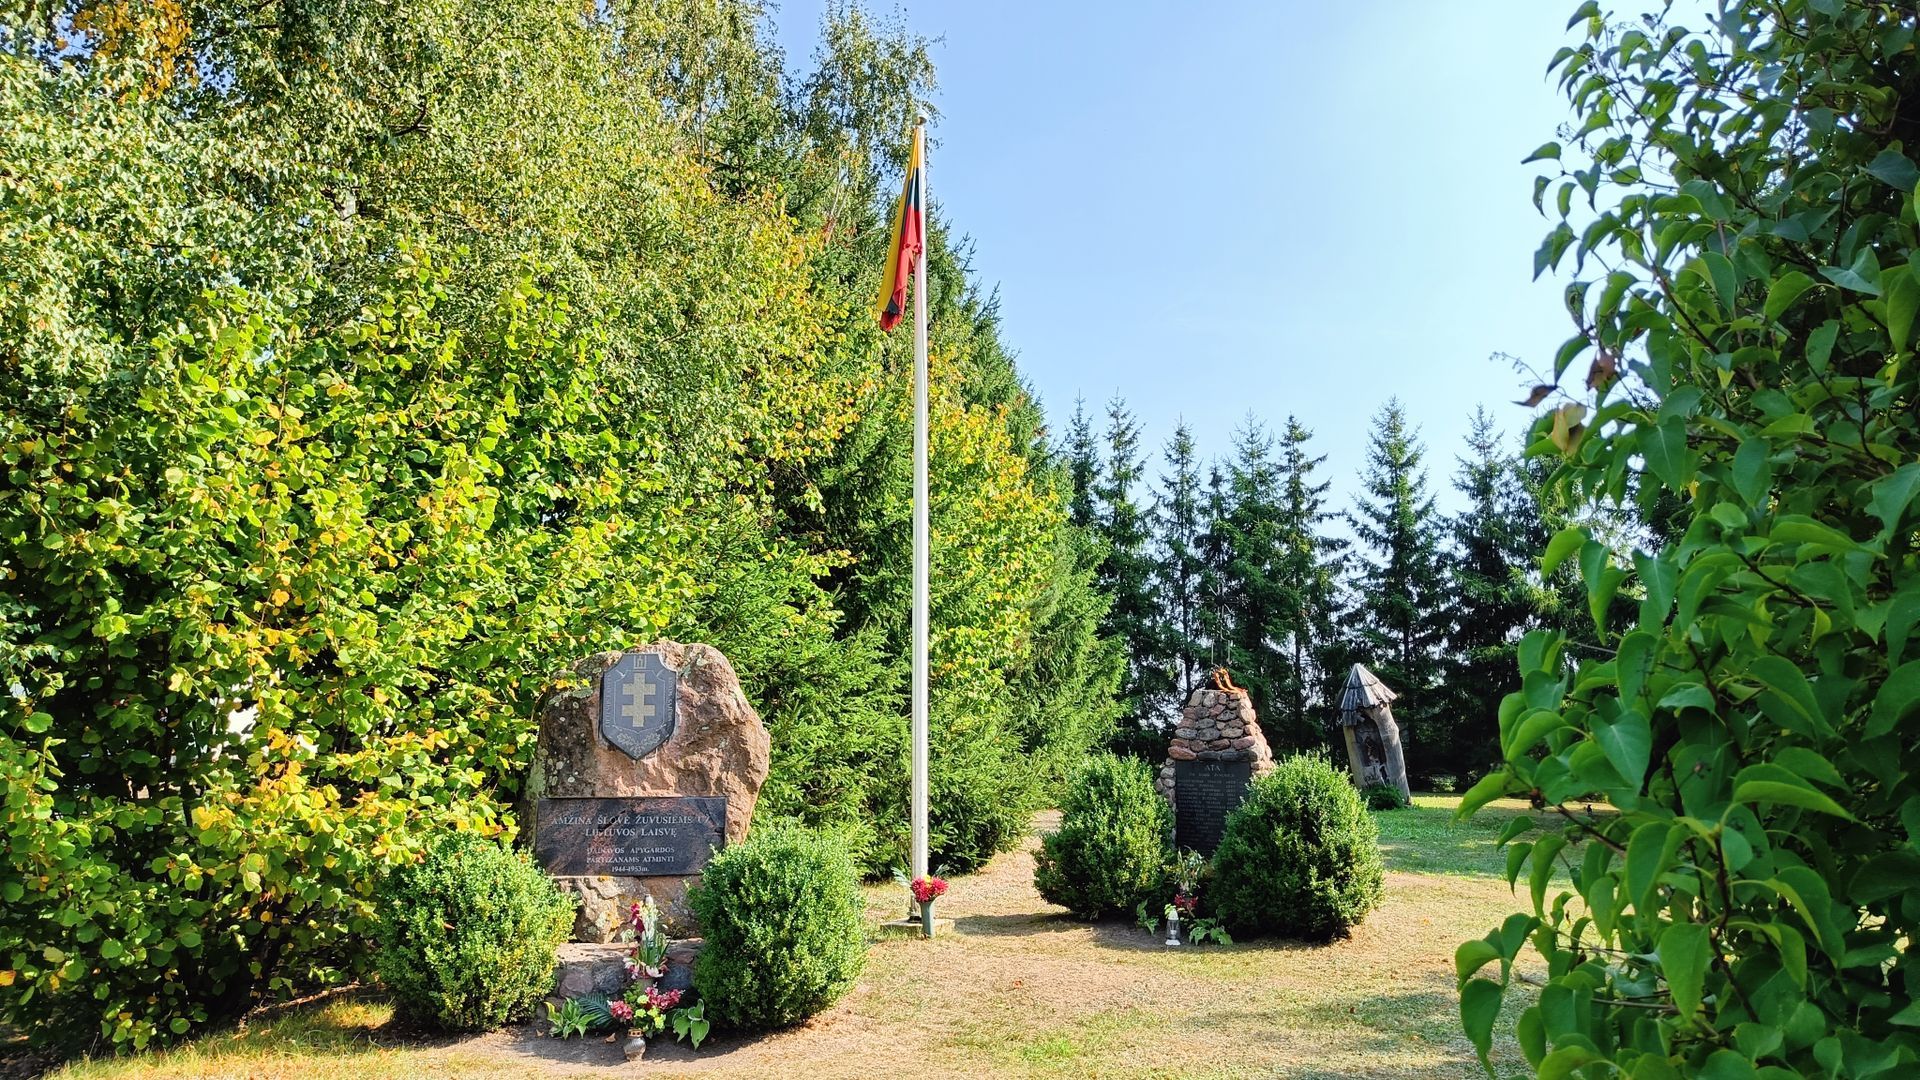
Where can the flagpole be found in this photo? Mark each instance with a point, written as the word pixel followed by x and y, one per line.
pixel 920 515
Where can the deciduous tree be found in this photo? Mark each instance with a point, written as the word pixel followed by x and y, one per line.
pixel 1737 203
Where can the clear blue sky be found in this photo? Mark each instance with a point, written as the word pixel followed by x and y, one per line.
pixel 1274 207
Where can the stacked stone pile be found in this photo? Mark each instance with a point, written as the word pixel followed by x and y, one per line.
pixel 1217 725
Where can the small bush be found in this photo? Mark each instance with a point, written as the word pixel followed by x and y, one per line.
pixel 466 936
pixel 1300 857
pixel 784 939
pixel 1111 851
pixel 1384 797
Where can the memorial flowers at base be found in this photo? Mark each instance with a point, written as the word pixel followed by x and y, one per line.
pixel 649 1009
pixel 928 889
pixel 648 959
pixel 642 1010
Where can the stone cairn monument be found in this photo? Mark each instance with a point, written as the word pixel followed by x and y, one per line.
pixel 1218 749
pixel 648 762
pixel 1373 738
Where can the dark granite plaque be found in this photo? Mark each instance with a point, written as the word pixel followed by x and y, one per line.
pixel 638 698
pixel 668 836
pixel 1204 793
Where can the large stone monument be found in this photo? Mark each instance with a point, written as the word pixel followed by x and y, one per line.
pixel 1373 738
pixel 1217 750
pixel 648 762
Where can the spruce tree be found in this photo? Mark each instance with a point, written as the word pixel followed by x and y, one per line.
pixel 1401 618
pixel 1180 572
pixel 1307 578
pixel 1083 466
pixel 1213 552
pixel 1491 600
pixel 1126 575
pixel 1249 542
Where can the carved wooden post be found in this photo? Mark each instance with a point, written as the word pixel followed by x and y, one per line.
pixel 1373 739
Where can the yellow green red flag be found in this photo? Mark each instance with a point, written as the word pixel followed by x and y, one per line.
pixel 909 234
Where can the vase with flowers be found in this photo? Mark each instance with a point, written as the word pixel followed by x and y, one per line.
pixel 925 891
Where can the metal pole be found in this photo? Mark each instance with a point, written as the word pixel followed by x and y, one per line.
pixel 920 517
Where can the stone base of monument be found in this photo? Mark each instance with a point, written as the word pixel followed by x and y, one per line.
pixel 600 967
pixel 912 928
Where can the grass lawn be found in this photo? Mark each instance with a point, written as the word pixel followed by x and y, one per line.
pixel 1019 989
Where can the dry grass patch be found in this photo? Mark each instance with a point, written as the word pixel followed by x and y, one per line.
pixel 1020 989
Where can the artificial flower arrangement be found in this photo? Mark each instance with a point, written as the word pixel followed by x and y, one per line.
pixel 928 889
pixel 642 1010
pixel 1187 872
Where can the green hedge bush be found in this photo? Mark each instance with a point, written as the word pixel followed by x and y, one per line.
pixel 466 936
pixel 784 936
pixel 1300 857
pixel 1114 842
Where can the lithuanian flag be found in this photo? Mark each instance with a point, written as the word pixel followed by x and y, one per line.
pixel 909 234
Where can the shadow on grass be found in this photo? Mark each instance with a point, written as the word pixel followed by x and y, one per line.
pixel 1111 933
pixel 1019 923
pixel 346 1023
pixel 1120 934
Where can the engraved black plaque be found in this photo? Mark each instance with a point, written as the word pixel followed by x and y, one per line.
pixel 638 696
pixel 1204 793
pixel 669 836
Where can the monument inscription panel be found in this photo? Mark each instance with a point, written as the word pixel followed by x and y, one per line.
pixel 639 698
pixel 1204 793
pixel 668 836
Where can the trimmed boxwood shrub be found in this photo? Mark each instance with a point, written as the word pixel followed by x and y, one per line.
pixel 1112 849
pixel 1300 857
pixel 466 936
pixel 782 914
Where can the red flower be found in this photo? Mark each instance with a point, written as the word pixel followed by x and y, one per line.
pixel 927 888
pixel 662 1001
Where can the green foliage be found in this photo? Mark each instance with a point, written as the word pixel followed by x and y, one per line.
pixel 1111 851
pixel 1306 575
pixel 1208 931
pixel 574 1018
pixel 1399 621
pixel 369 363
pixel 1245 549
pixel 782 913
pixel 1300 857
pixel 1270 579
pixel 1749 213
pixel 690 1022
pixel 465 938
pixel 1126 577
pixel 595 1011
pixel 1492 598
pixel 1384 797
pixel 1146 915
pixel 1071 683
pixel 1180 571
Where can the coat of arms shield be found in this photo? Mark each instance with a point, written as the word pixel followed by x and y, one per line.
pixel 638 698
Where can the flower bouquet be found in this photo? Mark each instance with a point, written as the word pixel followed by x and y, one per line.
pixel 649 957
pixel 642 1010
pixel 925 891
